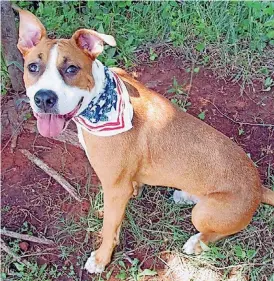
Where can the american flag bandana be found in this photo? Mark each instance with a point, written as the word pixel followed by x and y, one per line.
pixel 109 113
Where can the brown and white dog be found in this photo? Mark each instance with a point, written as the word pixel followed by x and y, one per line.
pixel 165 146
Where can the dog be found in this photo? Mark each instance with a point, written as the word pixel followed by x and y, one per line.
pixel 134 136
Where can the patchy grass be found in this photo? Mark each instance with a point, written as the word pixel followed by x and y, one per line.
pixel 152 236
pixel 235 39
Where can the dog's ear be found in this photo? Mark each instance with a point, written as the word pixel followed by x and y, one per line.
pixel 31 31
pixel 92 42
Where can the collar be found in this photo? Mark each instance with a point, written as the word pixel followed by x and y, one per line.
pixel 110 112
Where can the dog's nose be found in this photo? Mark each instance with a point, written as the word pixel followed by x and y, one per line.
pixel 45 99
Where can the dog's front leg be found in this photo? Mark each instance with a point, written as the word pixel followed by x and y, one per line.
pixel 115 202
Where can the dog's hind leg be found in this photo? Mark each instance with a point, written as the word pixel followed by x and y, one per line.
pixel 218 216
pixel 115 202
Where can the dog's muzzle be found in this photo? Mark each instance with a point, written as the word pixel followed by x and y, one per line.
pixel 49 124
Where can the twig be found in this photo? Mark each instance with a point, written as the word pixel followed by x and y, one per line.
pixel 191 78
pixel 26 237
pixel 69 136
pixel 7 249
pixel 238 122
pixel 128 258
pixel 51 172
pixel 39 254
pixel 80 274
pixel 42 147
pixel 15 132
pixel 14 142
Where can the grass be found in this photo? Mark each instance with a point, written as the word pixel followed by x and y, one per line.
pixel 235 39
pixel 153 234
pixel 4 76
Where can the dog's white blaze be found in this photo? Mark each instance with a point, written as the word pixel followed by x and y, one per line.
pixel 68 97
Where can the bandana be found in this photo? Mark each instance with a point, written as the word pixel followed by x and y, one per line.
pixel 109 113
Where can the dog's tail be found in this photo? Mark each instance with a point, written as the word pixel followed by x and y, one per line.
pixel 267 196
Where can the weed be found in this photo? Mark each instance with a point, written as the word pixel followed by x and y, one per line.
pixel 134 272
pixel 18 270
pixel 54 272
pixel 268 83
pixel 152 54
pixel 241 131
pixel 202 115
pixel 5 209
pixel 66 251
pixel 180 96
pixel 196 69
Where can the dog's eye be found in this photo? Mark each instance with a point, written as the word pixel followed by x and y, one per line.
pixel 72 69
pixel 33 67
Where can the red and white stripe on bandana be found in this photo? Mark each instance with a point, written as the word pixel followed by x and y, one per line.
pixel 117 119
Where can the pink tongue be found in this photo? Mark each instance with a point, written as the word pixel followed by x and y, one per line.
pixel 50 125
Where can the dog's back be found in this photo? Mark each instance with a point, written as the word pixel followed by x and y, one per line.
pixel 199 158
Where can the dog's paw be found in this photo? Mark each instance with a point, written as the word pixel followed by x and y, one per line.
pixel 182 197
pixel 91 265
pixel 192 245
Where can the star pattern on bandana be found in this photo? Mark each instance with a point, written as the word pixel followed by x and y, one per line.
pixel 101 105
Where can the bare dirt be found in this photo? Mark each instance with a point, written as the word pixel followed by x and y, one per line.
pixel 29 195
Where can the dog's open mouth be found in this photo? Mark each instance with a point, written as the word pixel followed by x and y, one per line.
pixel 51 125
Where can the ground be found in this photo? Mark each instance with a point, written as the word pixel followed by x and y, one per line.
pixel 154 229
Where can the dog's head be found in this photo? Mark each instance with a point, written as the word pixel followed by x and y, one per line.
pixel 58 72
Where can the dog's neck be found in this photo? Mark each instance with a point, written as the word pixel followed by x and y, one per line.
pixel 98 72
pixel 108 111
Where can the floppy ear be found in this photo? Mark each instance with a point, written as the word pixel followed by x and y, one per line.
pixel 31 31
pixel 92 42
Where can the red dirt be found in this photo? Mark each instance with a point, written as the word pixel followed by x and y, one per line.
pixel 33 197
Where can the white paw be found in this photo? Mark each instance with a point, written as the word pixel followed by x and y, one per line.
pixel 182 197
pixel 91 265
pixel 189 247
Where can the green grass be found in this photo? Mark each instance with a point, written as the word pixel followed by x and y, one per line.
pixel 4 75
pixel 235 39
